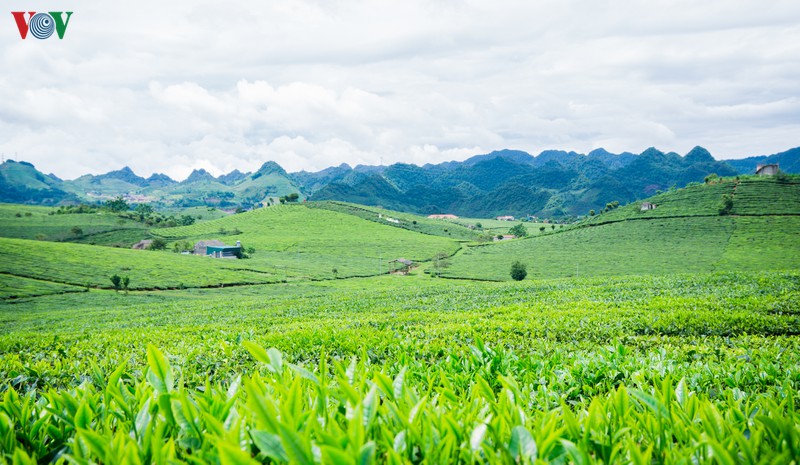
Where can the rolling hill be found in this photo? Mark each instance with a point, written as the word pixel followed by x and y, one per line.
pixel 685 233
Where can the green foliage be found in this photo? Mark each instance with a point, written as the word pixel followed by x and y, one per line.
pixel 144 209
pixel 116 281
pixel 519 230
pixel 118 204
pixel 726 205
pixel 518 271
pixel 638 370
pixel 158 244
pixel 76 231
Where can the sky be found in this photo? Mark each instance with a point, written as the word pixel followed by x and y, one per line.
pixel 174 86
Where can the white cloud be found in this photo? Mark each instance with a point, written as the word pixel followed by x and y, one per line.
pixel 177 86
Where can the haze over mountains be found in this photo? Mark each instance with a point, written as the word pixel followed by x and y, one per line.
pixel 551 184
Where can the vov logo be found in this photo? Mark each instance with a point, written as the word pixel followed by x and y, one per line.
pixel 42 25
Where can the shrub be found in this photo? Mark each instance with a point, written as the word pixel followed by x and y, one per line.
pixel 518 271
pixel 157 244
pixel 726 205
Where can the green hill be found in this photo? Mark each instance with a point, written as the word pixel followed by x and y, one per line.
pixel 291 242
pixel 88 265
pixel 685 233
pixel 42 223
pixel 300 241
pixel 21 182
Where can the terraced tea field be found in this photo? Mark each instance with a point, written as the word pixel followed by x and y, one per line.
pixel 638 338
pixel 92 266
pixel 32 222
pixel 685 233
pixel 697 368
pixel 311 242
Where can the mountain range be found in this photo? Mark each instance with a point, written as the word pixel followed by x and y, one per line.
pixel 506 182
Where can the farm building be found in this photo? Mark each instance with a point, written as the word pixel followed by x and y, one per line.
pixel 505 218
pixel 142 245
pixel 218 249
pixel 446 216
pixel 647 206
pixel 767 170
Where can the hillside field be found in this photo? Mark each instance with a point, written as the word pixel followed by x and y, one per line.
pixel 33 222
pixel 685 233
pixel 667 336
pixel 311 242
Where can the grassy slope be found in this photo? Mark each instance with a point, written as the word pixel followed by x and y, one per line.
pixel 99 228
pixel 408 221
pixel 684 233
pixel 14 287
pixel 291 241
pixel 297 240
pixel 80 264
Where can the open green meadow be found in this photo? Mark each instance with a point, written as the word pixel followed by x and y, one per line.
pixel 670 336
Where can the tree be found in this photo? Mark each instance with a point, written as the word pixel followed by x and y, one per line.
pixel 518 230
pixel 591 212
pixel 541 229
pixel 76 231
pixel 335 272
pixel 143 210
pixel 126 281
pixel 157 244
pixel 116 281
pixel 117 205
pixel 726 205
pixel 518 271
pixel 185 220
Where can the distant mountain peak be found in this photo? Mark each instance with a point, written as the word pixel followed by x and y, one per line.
pixel 652 152
pixel 125 174
pixel 514 156
pixel 599 152
pixel 699 155
pixel 232 177
pixel 199 175
pixel 159 179
pixel 271 167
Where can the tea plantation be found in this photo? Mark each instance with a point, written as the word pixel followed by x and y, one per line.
pixel 668 336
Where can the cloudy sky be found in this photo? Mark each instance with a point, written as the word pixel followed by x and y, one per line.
pixel 173 86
